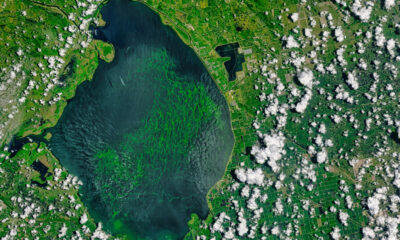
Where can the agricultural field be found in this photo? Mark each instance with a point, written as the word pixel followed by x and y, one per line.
pixel 40 200
pixel 314 112
pixel 46 50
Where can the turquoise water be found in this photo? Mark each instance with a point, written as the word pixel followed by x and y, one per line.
pixel 150 135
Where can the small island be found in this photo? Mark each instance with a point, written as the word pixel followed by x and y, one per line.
pixel 106 50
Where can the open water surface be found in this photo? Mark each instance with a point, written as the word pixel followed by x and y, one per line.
pixel 150 134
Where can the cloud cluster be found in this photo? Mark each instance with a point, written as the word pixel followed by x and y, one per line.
pixel 272 152
pixel 250 176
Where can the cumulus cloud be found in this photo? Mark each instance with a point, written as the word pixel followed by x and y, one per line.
pixel 99 233
pixel 306 77
pixel 322 156
pixel 217 226
pixel 294 17
pixel 343 216
pixel 302 105
pixel 362 11
pixel 352 81
pixel 250 176
pixel 389 4
pixel 335 234
pixel 83 219
pixel 272 152
pixel 368 233
pixel 339 34
pixel 242 228
pixel 291 42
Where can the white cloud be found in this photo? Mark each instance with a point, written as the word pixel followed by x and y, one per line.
pixel 306 77
pixel 250 176
pixel 294 17
pixel 276 230
pixel 308 32
pixel 390 46
pixel 99 233
pixel 83 219
pixel 373 205
pixel 272 152
pixel 363 12
pixel 242 228
pixel 389 4
pixel 217 226
pixel 291 42
pixel 278 210
pixel 352 81
pixel 63 231
pixel 302 105
pixel 322 156
pixel 245 192
pixel 396 180
pixel 343 216
pixel 368 233
pixel 379 37
pixel 339 34
pixel 335 234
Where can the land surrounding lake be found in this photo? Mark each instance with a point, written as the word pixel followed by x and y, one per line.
pixel 150 134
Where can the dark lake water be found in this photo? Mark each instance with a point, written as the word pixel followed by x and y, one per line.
pixel 150 134
pixel 234 64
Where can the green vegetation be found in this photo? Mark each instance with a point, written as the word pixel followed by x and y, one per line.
pixel 360 139
pixel 261 26
pixel 42 210
pixel 106 50
pixel 46 52
pixel 157 152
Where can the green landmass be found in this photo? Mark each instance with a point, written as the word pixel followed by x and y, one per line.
pixel 260 27
pixel 359 145
pixel 42 211
pixel 106 50
pixel 46 51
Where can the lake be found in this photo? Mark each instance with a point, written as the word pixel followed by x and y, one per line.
pixel 150 134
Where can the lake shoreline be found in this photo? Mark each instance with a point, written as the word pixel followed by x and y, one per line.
pixel 177 51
